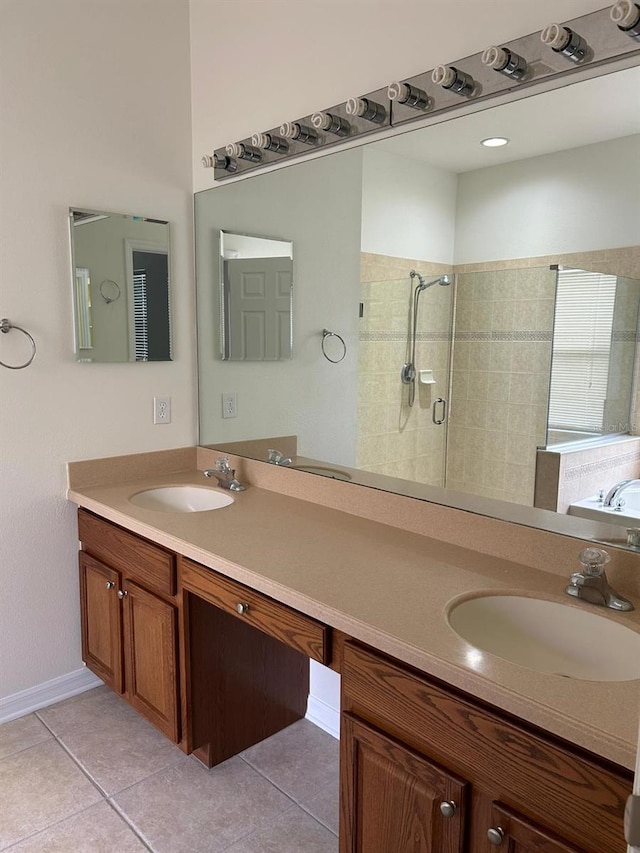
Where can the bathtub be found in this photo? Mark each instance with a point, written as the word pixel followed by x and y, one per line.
pixel 628 516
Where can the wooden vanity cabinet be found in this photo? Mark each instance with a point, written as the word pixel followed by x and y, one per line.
pixel 246 663
pixel 427 770
pixel 129 619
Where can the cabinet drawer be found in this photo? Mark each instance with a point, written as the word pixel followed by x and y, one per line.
pixel 556 785
pixel 128 553
pixel 279 621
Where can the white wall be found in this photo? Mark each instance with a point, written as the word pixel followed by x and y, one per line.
pixel 571 201
pixel 408 207
pixel 96 114
pixel 326 287
pixel 257 64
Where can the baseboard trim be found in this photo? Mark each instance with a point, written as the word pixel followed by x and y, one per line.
pixel 47 693
pixel 324 716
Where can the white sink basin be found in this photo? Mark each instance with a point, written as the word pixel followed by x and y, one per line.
pixel 549 637
pixel 181 499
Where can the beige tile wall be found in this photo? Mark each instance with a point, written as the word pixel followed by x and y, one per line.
pixel 500 384
pixel 565 477
pixel 393 438
pixel 500 379
pixel 621 361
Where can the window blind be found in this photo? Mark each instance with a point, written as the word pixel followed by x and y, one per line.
pixel 140 318
pixel 581 345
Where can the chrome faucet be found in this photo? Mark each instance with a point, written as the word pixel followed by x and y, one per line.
pixel 276 458
pixel 614 493
pixel 225 475
pixel 591 583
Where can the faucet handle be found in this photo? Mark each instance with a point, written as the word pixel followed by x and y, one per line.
pixel 593 560
pixel 222 465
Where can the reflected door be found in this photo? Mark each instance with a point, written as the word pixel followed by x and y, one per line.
pixel 258 296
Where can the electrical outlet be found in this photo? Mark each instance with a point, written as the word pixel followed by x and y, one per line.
pixel 162 410
pixel 229 405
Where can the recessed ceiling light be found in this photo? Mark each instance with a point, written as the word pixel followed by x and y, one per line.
pixel 495 141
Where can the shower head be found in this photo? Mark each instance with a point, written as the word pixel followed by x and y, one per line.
pixel 423 285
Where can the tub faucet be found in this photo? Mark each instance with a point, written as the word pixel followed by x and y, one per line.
pixel 591 583
pixel 276 458
pixel 614 493
pixel 225 475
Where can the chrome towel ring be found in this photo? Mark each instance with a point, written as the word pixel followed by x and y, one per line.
pixel 6 326
pixel 327 334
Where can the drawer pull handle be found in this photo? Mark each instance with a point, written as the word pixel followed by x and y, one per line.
pixel 242 608
pixel 448 808
pixel 122 593
pixel 110 584
pixel 496 835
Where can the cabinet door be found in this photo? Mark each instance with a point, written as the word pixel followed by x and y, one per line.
pixel 151 670
pixel 101 621
pixel 394 800
pixel 515 834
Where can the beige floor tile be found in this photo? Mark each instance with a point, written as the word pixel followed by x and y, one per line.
pixel 188 809
pixel 39 787
pixel 87 711
pixel 96 830
pixel 293 832
pixel 300 760
pixel 325 806
pixel 121 750
pixel 22 734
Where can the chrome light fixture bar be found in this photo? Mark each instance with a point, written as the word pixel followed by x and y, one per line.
pixel 557 53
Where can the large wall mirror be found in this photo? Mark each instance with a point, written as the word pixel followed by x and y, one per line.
pixel 496 237
pixel 120 278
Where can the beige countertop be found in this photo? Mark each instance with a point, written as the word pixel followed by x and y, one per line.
pixel 386 587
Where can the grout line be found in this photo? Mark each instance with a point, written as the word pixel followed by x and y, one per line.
pixel 51 826
pixel 83 769
pixel 287 794
pixel 126 819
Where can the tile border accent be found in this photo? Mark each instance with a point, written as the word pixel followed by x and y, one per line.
pixel 402 336
pixel 48 693
pixel 493 335
pixel 601 465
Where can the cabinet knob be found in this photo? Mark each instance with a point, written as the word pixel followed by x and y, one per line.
pixel 122 593
pixel 448 808
pixel 110 584
pixel 242 608
pixel 496 835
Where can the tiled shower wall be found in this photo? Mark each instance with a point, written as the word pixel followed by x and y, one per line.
pixel 621 361
pixel 500 387
pixel 502 352
pixel 393 438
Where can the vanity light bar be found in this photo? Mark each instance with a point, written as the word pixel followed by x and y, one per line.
pixel 558 52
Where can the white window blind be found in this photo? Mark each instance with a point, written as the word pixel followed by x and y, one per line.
pixel 140 318
pixel 581 346
pixel 84 329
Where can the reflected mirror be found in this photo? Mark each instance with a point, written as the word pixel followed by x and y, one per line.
pixel 469 428
pixel 256 298
pixel 120 284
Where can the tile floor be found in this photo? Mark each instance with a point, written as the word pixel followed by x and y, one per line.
pixel 89 775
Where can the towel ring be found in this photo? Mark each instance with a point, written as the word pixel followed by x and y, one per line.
pixel 327 334
pixel 115 288
pixel 6 326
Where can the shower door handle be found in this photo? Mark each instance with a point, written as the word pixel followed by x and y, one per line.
pixel 439 402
